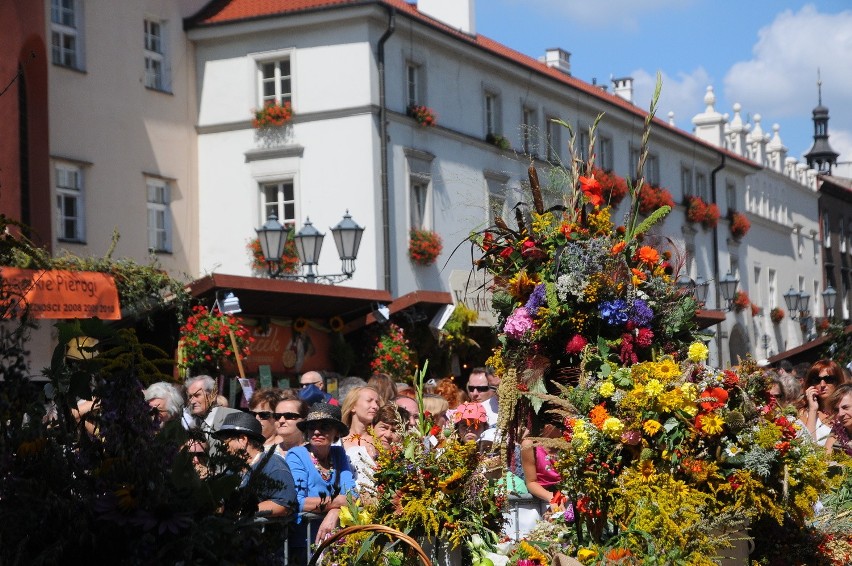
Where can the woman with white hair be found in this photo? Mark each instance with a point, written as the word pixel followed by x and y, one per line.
pixel 165 400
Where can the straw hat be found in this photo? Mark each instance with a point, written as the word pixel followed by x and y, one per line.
pixel 324 413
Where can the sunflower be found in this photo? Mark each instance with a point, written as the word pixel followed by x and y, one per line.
pixel 300 324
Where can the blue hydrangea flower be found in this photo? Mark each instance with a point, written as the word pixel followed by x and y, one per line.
pixel 614 313
pixel 641 314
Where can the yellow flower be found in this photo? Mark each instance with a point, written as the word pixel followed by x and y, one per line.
pixel 586 554
pixel 345 517
pixel 613 427
pixel 712 423
pixel 697 352
pixel 690 391
pixel 667 369
pixel 607 389
pixel 541 222
pixel 654 388
pixel 651 427
pixel 521 285
pixel 690 410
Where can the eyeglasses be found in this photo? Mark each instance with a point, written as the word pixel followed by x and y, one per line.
pixel 480 388
pixel 287 416
pixel 310 383
pixel 828 379
pixel 262 415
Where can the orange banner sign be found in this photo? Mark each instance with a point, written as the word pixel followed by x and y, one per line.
pixel 61 294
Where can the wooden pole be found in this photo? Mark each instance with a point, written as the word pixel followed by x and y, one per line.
pixel 237 354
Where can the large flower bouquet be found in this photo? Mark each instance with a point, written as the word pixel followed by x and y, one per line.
pixel 205 339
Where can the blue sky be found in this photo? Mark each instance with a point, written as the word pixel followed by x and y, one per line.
pixel 763 54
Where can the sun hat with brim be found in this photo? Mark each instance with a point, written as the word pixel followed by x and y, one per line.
pixel 324 413
pixel 470 413
pixel 239 423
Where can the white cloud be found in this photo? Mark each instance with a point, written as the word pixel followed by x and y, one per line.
pixel 780 79
pixel 682 94
pixel 610 14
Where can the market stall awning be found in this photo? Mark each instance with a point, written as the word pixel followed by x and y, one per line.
pixel 708 318
pixel 281 298
pixel 418 306
pixel 807 352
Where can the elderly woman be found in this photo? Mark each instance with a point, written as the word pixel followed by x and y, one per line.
pixel 321 470
pixel 841 430
pixel 165 401
pixel 388 425
pixel 814 410
pixel 785 389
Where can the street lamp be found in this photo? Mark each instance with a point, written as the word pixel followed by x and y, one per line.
pixel 697 287
pixel 728 288
pixel 347 238
pixel 828 297
pixel 797 303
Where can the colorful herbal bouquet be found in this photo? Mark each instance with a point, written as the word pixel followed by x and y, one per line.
pixel 423 115
pixel 424 246
pixel 651 198
pixel 392 354
pixel 205 339
pixel 739 224
pixel 678 453
pixel 273 114
pixel 697 210
pixel 289 257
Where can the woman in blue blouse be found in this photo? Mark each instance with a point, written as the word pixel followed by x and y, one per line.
pixel 321 472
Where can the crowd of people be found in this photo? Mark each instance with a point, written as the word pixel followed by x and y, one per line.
pixel 319 448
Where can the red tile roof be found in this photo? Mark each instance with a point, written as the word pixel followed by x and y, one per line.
pixel 219 12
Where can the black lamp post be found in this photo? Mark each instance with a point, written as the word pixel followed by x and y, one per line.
pixel 697 287
pixel 728 288
pixel 347 238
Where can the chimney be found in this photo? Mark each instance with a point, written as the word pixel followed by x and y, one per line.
pixel 458 14
pixel 624 88
pixel 558 59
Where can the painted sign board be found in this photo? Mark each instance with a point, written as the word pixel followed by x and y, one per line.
pixel 473 289
pixel 57 294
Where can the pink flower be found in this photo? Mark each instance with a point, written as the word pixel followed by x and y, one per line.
pixel 518 324
pixel 575 345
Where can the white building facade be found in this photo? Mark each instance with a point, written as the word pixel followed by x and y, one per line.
pixel 350 71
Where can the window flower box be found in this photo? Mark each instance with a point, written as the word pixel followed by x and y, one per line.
pixel 423 115
pixel 613 187
pixel 272 115
pixel 776 315
pixel 739 224
pixel 424 246
pixel 289 257
pixel 699 211
pixel 498 140
pixel 651 198
pixel 741 301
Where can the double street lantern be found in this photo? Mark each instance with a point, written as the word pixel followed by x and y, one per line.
pixel 828 297
pixel 728 288
pixel 797 303
pixel 347 237
pixel 697 287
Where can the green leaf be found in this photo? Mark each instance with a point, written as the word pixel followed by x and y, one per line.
pixel 670 424
pixel 655 217
pixel 537 386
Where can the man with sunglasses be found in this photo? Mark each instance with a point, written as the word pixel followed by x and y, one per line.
pixel 312 384
pixel 481 391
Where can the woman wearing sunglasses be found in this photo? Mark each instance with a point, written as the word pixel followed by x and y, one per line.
pixel 261 406
pixel 815 410
pixel 289 412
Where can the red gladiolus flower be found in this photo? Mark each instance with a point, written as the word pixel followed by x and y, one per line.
pixel 592 189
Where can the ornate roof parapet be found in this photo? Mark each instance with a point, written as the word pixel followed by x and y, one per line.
pixel 709 125
pixel 756 141
pixel 736 132
pixel 776 152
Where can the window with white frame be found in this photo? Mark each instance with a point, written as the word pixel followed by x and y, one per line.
pixel 155 56
pixel 841 236
pixel 651 170
pixel 604 159
pixel 686 181
pixel 159 215
pixel 419 188
pixel 413 81
pixel 419 200
pixel 826 230
pixel 279 198
pixel 65 26
pixel 771 289
pixel 492 113
pixel 69 202
pixel 528 130
pixel 552 131
pixel 731 195
pixel 496 197
pixel 583 141
pixel 701 186
pixel 756 284
pixel 275 81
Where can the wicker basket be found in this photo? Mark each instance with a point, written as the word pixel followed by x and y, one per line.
pixel 371 528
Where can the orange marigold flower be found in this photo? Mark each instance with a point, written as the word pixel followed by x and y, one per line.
pixel 619 247
pixel 592 189
pixel 649 255
pixel 598 415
